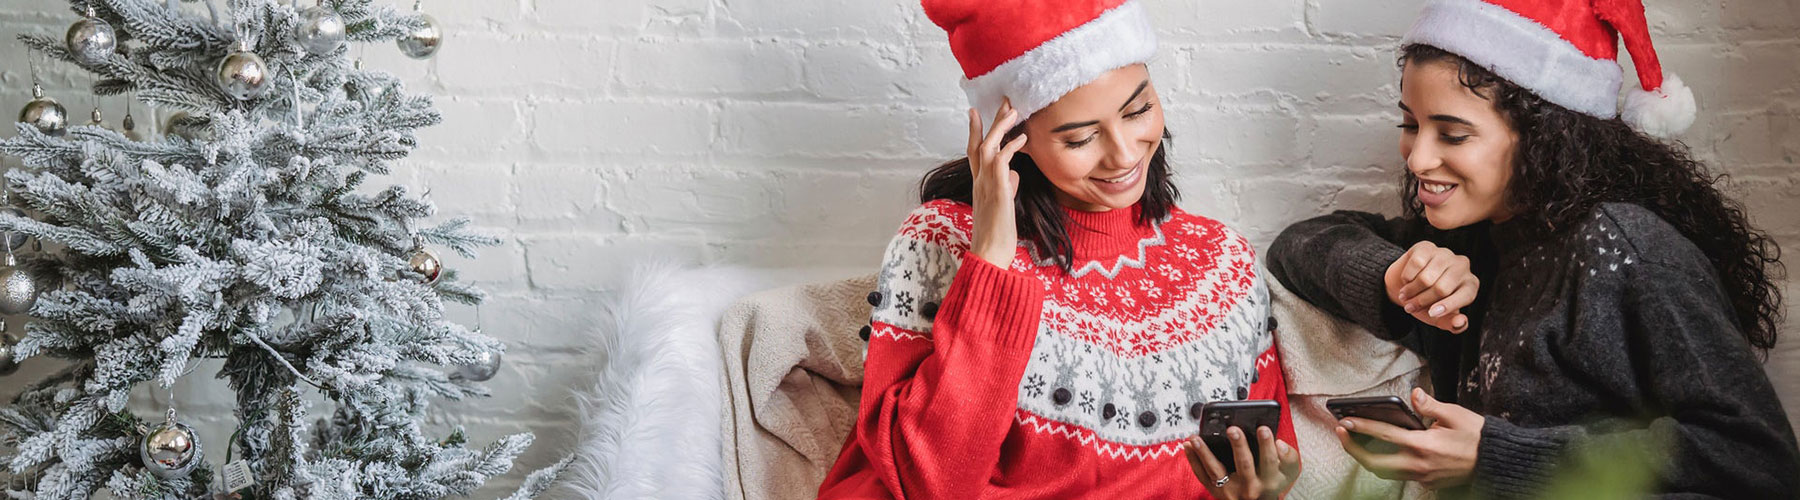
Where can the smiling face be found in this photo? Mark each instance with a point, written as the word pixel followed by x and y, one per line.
pixel 1456 144
pixel 1095 143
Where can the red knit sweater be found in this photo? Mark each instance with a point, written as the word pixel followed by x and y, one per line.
pixel 983 382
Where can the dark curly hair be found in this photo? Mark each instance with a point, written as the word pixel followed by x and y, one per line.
pixel 1568 163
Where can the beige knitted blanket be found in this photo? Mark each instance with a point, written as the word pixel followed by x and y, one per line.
pixel 794 369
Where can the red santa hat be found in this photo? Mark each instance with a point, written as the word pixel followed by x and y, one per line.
pixel 1565 51
pixel 1034 51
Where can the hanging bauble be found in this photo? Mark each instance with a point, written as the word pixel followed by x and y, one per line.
pixel 44 113
pixel 425 263
pixel 9 362
pixel 485 366
pixel 18 288
pixel 423 41
pixel 242 74
pixel 12 241
pixel 91 39
pixel 129 127
pixel 95 120
pixel 170 450
pixel 320 32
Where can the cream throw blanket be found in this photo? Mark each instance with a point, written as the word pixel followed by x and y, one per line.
pixel 793 369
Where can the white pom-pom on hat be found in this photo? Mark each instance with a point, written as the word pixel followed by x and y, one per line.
pixel 1665 112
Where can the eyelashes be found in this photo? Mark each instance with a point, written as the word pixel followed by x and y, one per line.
pixel 1128 116
pixel 1140 111
pixel 1449 139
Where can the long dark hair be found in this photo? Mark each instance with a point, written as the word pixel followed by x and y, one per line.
pixel 1041 222
pixel 1569 162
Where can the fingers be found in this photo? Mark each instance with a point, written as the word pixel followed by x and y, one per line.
pixel 1290 460
pixel 1214 469
pixel 1445 414
pixel 1355 450
pixel 1269 465
pixel 1004 119
pixel 1458 299
pixel 1377 429
pixel 1193 458
pixel 1416 258
pixel 1453 324
pixel 1382 465
pixel 1240 452
pixel 1006 153
pixel 974 132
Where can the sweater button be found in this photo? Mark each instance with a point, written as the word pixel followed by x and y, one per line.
pixel 929 310
pixel 1061 397
pixel 1194 411
pixel 864 333
pixel 874 299
pixel 1146 419
pixel 1273 323
pixel 1109 411
pixel 1243 393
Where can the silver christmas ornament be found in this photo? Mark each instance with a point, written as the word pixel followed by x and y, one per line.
pixel 484 368
pixel 90 39
pixel 129 127
pixel 171 450
pixel 8 351
pixel 421 42
pixel 11 241
pixel 320 32
pixel 242 74
pixel 96 121
pixel 44 113
pixel 18 288
pixel 425 263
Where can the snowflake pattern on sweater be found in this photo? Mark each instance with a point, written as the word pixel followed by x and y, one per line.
pixel 1131 341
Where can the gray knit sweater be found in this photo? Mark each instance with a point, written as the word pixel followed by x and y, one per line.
pixel 1597 352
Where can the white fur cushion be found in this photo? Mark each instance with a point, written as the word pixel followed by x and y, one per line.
pixel 649 424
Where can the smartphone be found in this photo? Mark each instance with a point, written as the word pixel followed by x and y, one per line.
pixel 1248 415
pixel 1390 409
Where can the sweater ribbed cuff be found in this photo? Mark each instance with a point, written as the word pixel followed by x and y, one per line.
pixel 1362 287
pixel 1514 462
pixel 993 304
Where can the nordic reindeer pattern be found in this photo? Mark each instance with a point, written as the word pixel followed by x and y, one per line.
pixel 1123 357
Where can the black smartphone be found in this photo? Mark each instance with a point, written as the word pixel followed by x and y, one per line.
pixel 1390 409
pixel 1248 415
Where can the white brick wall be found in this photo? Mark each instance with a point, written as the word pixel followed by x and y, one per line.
pixel 790 132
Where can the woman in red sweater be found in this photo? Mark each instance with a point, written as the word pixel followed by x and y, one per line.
pixel 1048 324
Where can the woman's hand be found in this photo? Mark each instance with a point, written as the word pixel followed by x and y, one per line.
pixel 996 236
pixel 1438 457
pixel 1266 477
pixel 1433 284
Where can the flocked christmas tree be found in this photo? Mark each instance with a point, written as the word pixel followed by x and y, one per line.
pixel 242 233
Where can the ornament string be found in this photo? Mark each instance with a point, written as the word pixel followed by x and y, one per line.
pixel 283 360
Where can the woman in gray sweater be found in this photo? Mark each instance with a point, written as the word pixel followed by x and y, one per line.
pixel 1592 308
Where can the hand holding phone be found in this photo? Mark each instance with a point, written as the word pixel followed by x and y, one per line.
pixel 1248 415
pixel 1245 463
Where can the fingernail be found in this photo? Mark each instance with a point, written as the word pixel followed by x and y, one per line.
pixel 1235 433
pixel 1437 311
pixel 1264 433
pixel 1411 308
pixel 1403 296
pixel 1346 424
